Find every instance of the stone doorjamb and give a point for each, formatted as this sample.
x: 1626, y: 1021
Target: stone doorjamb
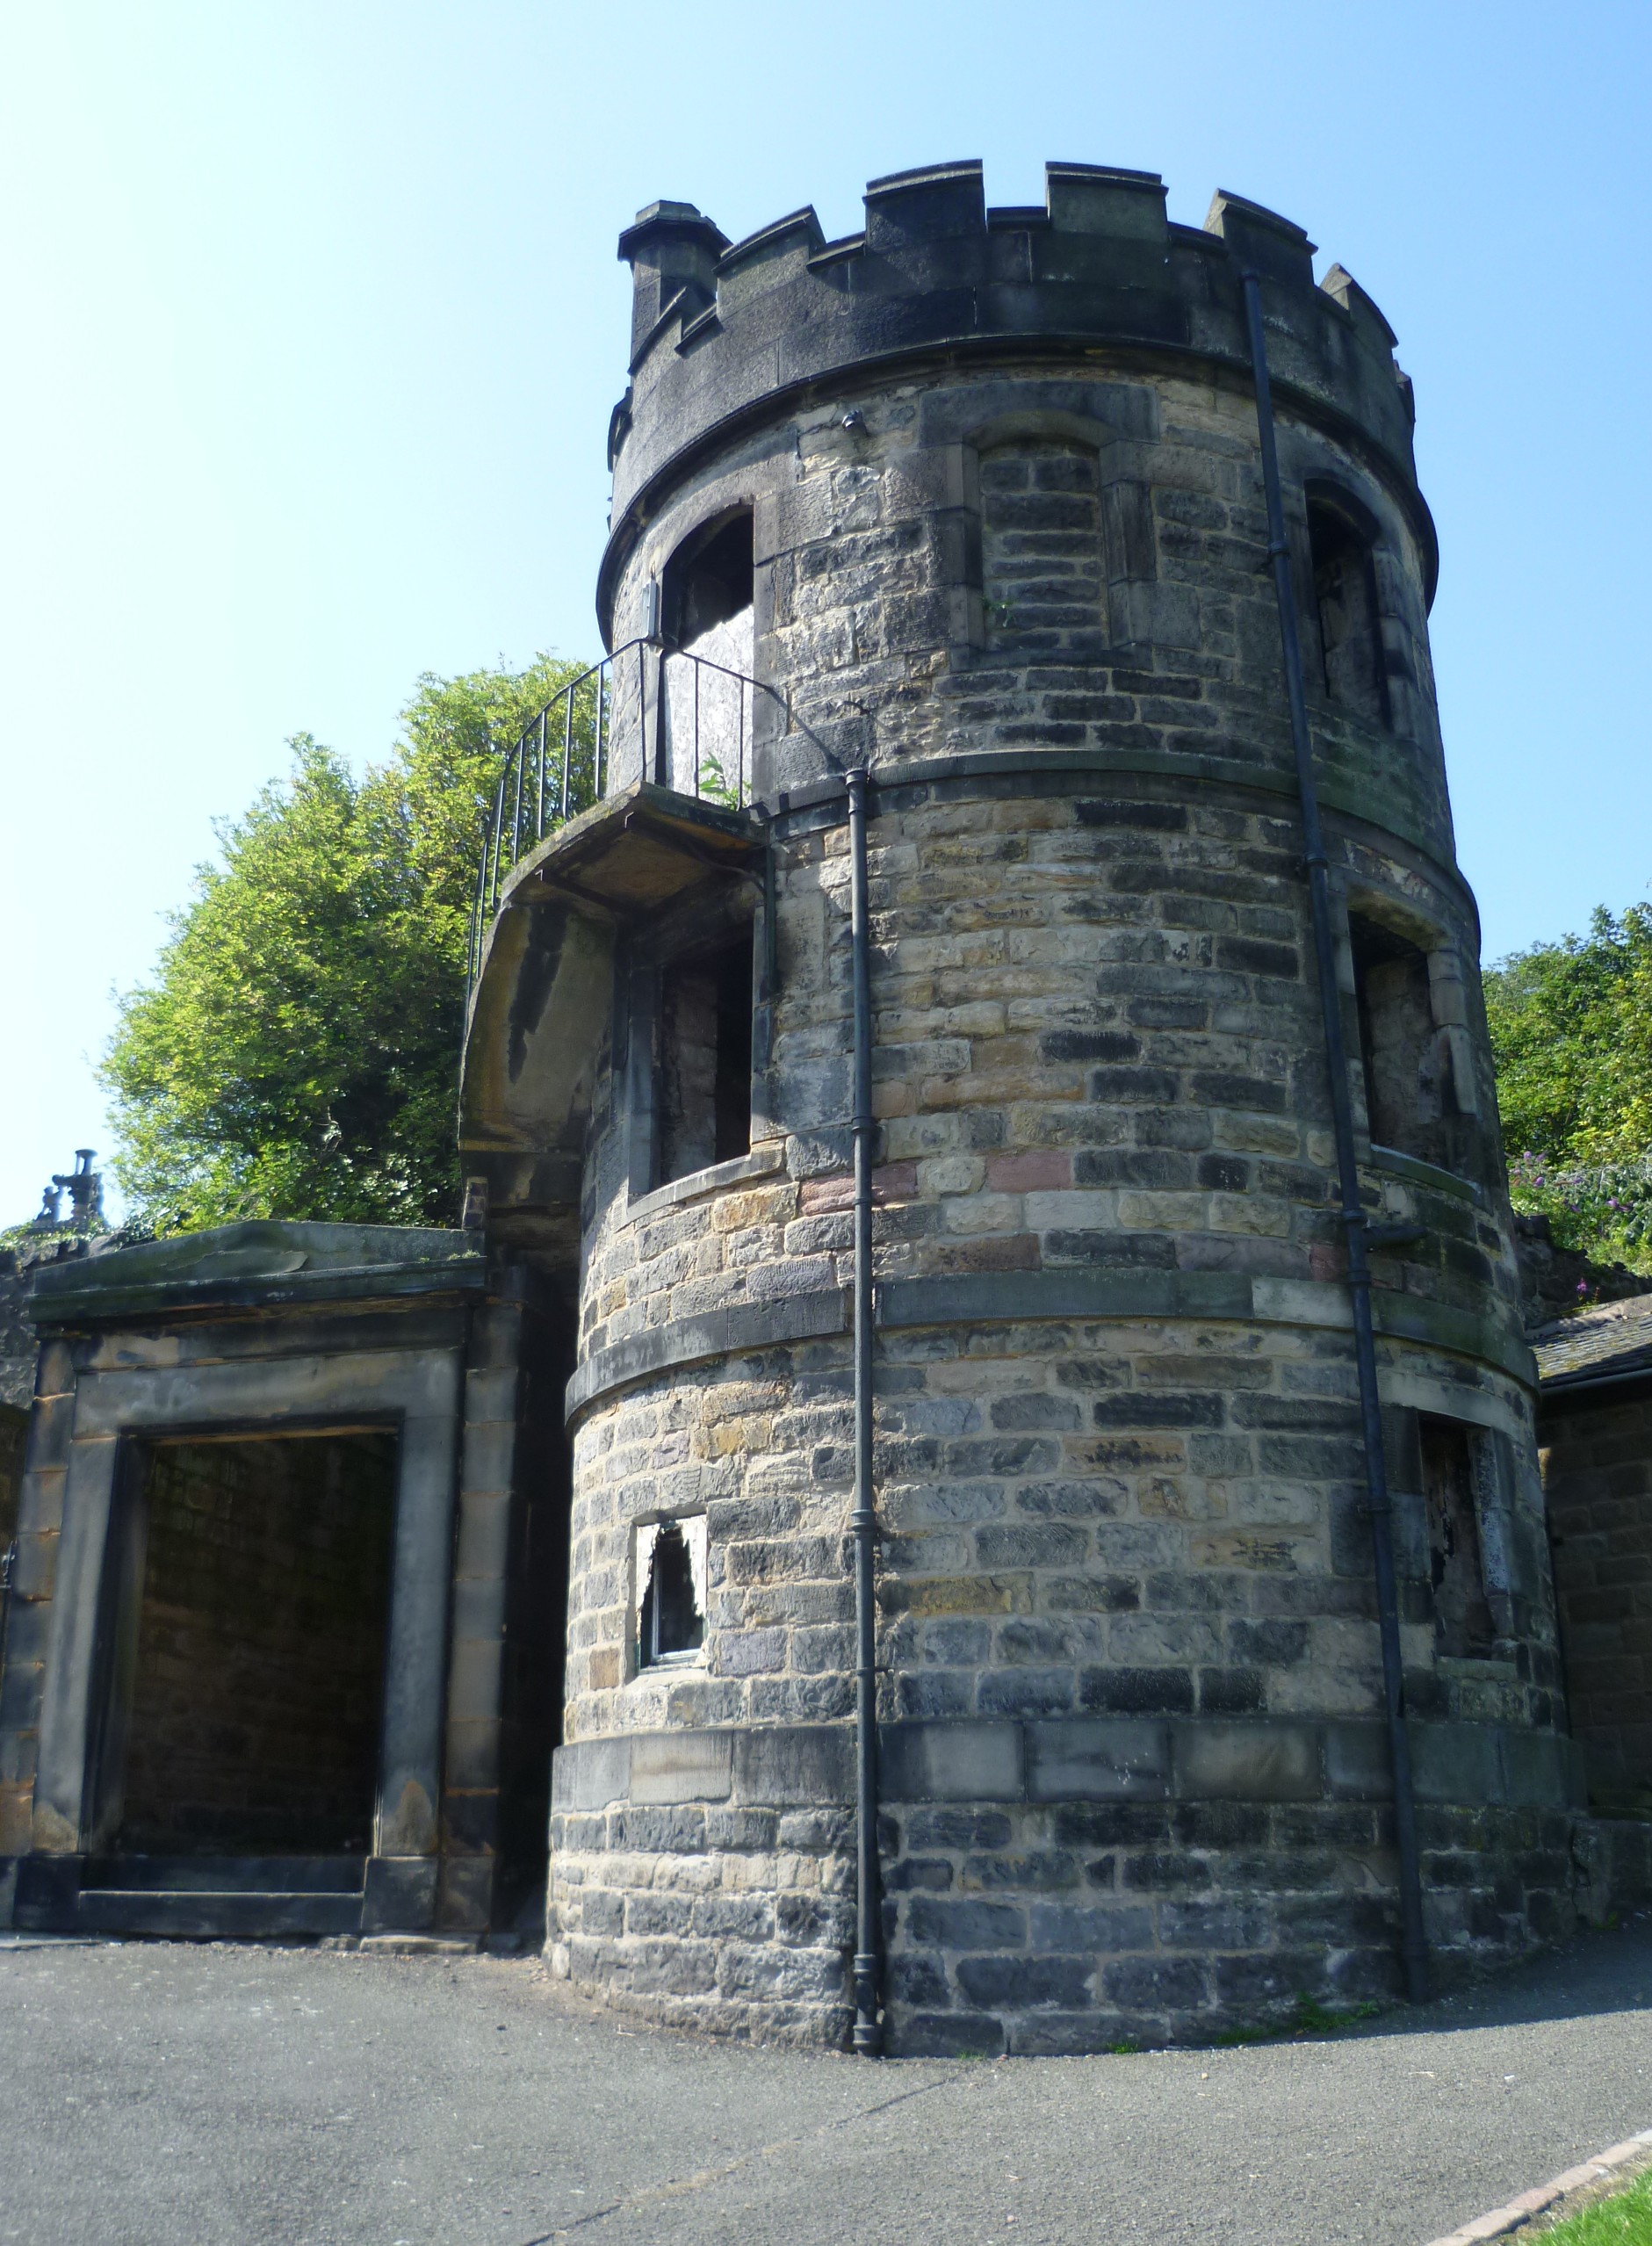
x: 417, y: 1393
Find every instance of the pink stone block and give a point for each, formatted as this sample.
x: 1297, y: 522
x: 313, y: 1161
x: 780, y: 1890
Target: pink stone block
x: 1036, y: 1171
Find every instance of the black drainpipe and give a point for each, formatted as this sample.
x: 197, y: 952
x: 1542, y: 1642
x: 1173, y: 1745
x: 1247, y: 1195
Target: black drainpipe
x: 7, y: 1568
x: 869, y: 1944
x: 1412, y: 1940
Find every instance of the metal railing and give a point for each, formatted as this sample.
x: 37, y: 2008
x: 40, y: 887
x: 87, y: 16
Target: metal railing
x: 649, y: 710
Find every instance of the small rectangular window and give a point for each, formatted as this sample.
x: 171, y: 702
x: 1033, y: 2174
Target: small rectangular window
x: 1352, y: 669
x: 1405, y: 1090
x: 670, y: 1576
x: 1462, y: 1613
x: 703, y: 1104
x: 1413, y: 1063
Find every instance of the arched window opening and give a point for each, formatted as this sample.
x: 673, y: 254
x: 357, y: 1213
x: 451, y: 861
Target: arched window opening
x: 709, y: 579
x: 1351, y: 661
x: 704, y: 742
x: 1421, y: 1093
x: 704, y: 1085
x: 671, y: 1574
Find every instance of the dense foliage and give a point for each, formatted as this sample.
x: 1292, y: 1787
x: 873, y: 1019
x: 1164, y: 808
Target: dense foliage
x: 295, y: 1053
x: 1571, y: 1031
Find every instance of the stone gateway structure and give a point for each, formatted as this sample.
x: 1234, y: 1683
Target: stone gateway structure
x: 906, y: 1297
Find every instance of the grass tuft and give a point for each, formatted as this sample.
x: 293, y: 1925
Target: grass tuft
x: 1309, y: 2018
x: 1624, y: 2219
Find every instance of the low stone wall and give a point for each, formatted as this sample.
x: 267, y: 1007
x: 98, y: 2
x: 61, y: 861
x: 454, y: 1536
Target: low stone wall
x: 1612, y: 1859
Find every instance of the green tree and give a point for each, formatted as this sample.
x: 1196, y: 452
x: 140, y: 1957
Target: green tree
x: 295, y: 1053
x: 1571, y: 1033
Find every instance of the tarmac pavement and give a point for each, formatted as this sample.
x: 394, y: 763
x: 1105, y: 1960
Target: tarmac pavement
x: 191, y: 2095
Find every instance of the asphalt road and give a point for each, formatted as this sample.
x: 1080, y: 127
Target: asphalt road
x: 174, y: 2095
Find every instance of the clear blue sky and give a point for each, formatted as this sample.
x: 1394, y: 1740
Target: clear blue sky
x: 314, y: 324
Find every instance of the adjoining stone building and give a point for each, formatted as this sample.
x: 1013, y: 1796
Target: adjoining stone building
x: 960, y: 522
x: 283, y: 1643
x: 1595, y: 1434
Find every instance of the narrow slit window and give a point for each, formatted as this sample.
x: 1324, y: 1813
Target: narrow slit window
x: 1352, y: 671
x: 671, y: 1580
x: 1462, y: 1613
x: 703, y: 1089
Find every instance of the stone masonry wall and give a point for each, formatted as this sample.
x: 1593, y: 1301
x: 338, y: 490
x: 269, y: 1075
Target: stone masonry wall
x: 1090, y: 1524
x: 1133, y: 1784
x: 1598, y: 1473
x: 1095, y: 1048
x: 870, y: 592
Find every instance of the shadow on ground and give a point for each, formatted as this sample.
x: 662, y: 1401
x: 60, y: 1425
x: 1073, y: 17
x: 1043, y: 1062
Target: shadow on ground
x: 156, y: 2093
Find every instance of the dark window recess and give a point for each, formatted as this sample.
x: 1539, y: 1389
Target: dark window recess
x: 704, y: 1101
x: 533, y: 1654
x: 260, y: 1646
x: 1462, y: 1615
x: 671, y: 1621
x: 1351, y: 667
x: 708, y: 580
x: 1410, y: 1102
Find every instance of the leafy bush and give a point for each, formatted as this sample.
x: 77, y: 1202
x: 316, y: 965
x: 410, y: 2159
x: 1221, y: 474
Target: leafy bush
x: 1604, y: 1210
x: 1571, y: 1034
x: 295, y: 1053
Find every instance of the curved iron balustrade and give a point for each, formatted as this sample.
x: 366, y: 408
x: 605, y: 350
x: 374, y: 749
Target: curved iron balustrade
x: 687, y: 732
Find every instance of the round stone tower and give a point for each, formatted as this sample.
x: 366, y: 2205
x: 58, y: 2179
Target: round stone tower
x: 974, y: 499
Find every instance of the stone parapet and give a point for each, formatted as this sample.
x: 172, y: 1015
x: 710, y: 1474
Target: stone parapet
x: 745, y: 329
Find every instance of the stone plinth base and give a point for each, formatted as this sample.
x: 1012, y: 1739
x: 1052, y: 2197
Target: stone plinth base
x: 1051, y: 1884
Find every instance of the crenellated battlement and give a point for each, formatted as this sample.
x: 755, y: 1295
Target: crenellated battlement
x: 721, y: 330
